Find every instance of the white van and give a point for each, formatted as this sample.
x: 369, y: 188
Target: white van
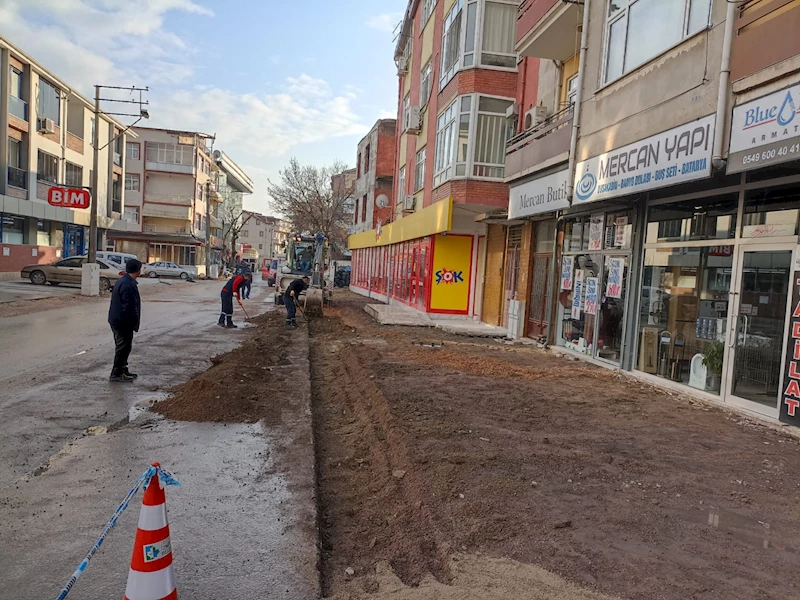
x: 118, y: 258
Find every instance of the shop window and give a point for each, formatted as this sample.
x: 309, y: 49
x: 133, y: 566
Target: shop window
x: 702, y: 219
x: 766, y: 173
x: 771, y: 212
x: 683, y: 311
x: 42, y: 232
x: 12, y: 229
x: 577, y: 324
x: 618, y: 232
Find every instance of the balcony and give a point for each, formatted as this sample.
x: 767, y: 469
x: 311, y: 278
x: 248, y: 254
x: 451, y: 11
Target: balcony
x: 216, y: 241
x: 548, y: 29
x: 168, y: 211
x: 548, y: 141
x: 17, y: 178
x: 169, y: 167
x: 215, y: 196
x: 765, y: 34
x: 174, y: 229
x: 17, y: 107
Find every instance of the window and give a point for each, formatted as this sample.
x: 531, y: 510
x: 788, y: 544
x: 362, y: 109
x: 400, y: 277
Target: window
x: 116, y: 197
x: 13, y: 229
x: 261, y: 233
x: 42, y: 232
x: 355, y: 212
x: 425, y: 84
x: 74, y: 175
x: 49, y: 102
x: 245, y: 233
x: 132, y: 151
x: 366, y: 159
x: 490, y: 137
x: 419, y: 170
x: 406, y: 111
x: 450, y: 43
x: 47, y: 169
x: 15, y: 87
x: 261, y: 246
x: 364, y: 209
x: 572, y: 90
x: 499, y: 31
x: 132, y: 182
x: 92, y: 127
x: 452, y: 140
x: 131, y: 214
x: 14, y: 153
x: 186, y: 255
x: 72, y: 263
x: 638, y: 30
x: 401, y: 186
x: 358, y: 164
x: 174, y: 154
x: 427, y: 10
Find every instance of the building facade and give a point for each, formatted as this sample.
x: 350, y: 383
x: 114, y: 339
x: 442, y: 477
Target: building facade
x: 232, y: 184
x: 47, y: 142
x: 374, y: 183
x: 263, y: 234
x: 669, y: 183
x: 167, y: 192
x: 457, y: 87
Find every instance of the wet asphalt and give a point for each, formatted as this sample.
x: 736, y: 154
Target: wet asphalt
x: 243, y: 521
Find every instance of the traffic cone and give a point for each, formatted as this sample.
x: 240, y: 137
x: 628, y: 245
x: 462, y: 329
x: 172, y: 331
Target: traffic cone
x: 151, y: 576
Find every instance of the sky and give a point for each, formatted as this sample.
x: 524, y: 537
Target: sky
x: 273, y: 79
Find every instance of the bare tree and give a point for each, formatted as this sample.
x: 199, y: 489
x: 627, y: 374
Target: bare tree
x: 232, y: 229
x: 316, y: 199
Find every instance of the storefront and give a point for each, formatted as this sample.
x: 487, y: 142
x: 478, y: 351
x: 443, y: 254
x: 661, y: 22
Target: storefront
x: 418, y: 261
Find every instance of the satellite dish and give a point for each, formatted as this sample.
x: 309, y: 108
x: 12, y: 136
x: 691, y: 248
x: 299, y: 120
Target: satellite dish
x: 382, y: 201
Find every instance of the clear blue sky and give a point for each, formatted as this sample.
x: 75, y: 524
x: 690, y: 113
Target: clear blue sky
x: 272, y: 78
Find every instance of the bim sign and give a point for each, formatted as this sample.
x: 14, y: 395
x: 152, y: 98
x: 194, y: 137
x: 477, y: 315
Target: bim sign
x: 69, y: 198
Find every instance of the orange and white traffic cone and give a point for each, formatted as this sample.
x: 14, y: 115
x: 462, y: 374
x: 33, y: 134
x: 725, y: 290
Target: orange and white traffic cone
x: 151, y: 576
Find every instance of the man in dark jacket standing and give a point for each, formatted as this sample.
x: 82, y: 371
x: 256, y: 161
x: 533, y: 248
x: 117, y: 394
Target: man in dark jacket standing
x: 229, y: 290
x: 124, y: 316
x: 290, y: 298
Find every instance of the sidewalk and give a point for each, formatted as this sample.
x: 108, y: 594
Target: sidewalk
x: 22, y: 289
x: 395, y: 314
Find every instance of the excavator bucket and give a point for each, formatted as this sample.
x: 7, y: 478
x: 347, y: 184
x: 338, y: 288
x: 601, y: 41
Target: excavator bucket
x: 313, y: 304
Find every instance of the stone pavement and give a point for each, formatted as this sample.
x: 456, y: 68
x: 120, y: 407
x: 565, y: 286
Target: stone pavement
x: 21, y: 289
x: 402, y: 315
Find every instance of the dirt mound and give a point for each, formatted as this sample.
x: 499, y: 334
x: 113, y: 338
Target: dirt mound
x: 241, y: 385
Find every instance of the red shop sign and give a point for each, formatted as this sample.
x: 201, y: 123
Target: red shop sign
x: 69, y: 197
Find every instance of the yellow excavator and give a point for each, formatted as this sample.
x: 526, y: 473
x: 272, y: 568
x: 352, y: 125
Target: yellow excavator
x: 306, y: 256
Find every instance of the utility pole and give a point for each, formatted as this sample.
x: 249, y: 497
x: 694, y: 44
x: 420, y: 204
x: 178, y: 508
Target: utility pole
x: 142, y: 114
x: 95, y: 179
x: 208, y: 229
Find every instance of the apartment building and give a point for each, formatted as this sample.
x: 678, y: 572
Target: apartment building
x: 48, y: 130
x: 263, y: 234
x: 457, y: 70
x: 661, y: 180
x: 375, y: 165
x: 232, y: 184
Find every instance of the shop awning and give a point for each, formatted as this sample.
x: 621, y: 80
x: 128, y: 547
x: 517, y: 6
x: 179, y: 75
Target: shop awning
x: 431, y: 220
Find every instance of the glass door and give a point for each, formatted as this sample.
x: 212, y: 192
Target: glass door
x: 757, y: 326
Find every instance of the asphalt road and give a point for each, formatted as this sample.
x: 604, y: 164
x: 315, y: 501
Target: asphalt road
x: 241, y: 526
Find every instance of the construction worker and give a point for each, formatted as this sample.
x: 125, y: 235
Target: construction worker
x: 290, y: 298
x: 229, y: 290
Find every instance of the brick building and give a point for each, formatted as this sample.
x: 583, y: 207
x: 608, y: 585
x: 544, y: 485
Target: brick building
x: 458, y: 73
x: 375, y: 177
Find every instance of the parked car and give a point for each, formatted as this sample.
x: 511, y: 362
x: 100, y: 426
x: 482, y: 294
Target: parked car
x: 165, y: 269
x: 117, y: 258
x: 70, y: 270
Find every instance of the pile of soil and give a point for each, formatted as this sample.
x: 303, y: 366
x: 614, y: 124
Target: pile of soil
x: 517, y: 453
x: 241, y: 385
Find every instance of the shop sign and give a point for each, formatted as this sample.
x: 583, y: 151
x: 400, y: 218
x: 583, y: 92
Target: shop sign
x: 452, y: 264
x: 596, y: 232
x: 566, y: 273
x: 766, y: 131
x: 789, y: 411
x: 621, y: 235
x: 675, y: 156
x: 577, y: 295
x: 616, y: 266
x: 541, y: 195
x: 69, y: 197
x: 591, y: 296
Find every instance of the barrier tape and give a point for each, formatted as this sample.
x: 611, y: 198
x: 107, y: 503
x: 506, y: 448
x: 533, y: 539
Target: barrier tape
x: 143, y: 481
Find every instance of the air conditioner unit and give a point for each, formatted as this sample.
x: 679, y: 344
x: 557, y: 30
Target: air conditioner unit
x: 45, y: 125
x: 413, y: 119
x: 402, y: 65
x: 409, y: 203
x: 512, y: 111
x: 535, y: 116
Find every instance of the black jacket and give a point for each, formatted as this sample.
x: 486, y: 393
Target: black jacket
x: 126, y: 307
x: 297, y: 286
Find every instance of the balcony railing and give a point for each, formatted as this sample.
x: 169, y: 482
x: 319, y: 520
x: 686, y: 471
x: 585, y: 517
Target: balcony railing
x: 18, y: 178
x: 148, y: 228
x: 539, y: 143
x: 169, y: 167
x: 17, y: 107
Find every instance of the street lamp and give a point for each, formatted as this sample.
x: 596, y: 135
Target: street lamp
x: 142, y: 114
